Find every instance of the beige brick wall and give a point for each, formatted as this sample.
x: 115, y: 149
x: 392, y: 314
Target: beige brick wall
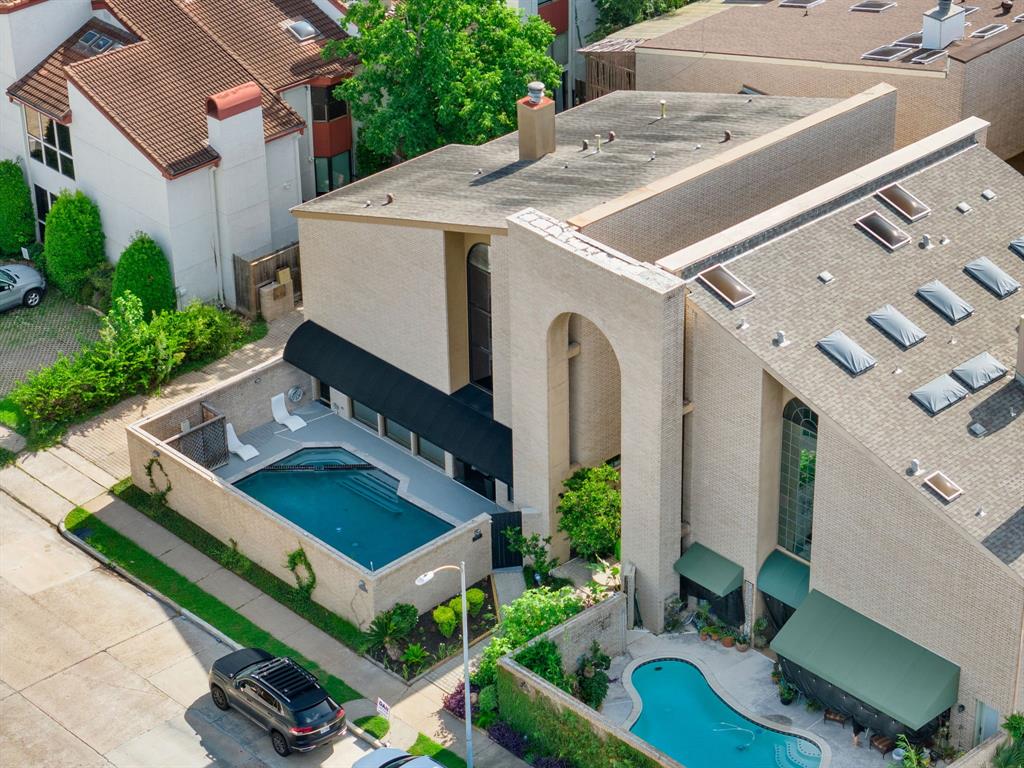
x: 735, y: 191
x: 382, y: 287
x: 994, y: 90
x: 639, y: 310
x: 594, y: 396
x: 883, y: 549
x: 501, y: 332
x: 604, y: 623
x: 880, y: 547
x: 925, y: 104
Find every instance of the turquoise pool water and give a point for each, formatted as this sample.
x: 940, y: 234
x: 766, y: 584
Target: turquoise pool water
x: 684, y: 718
x: 356, y: 511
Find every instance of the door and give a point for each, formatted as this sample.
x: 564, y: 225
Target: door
x: 986, y: 723
x: 501, y: 555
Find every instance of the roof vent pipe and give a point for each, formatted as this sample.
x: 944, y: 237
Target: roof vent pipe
x: 915, y: 467
x: 664, y: 109
x: 926, y: 242
x: 780, y: 339
x: 535, y: 89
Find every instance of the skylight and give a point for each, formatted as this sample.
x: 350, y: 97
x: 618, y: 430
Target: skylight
x: 992, y: 277
x: 969, y: 9
x: 896, y: 326
x: 883, y: 230
x: 89, y: 36
x: 980, y: 371
x: 726, y: 285
x: 904, y: 202
x: 872, y: 6
x: 926, y: 57
x: 988, y: 30
x: 886, y: 53
x: 940, y: 484
x: 912, y: 40
x: 1018, y: 18
x: 1017, y: 246
x: 847, y: 353
x: 945, y: 302
x: 303, y: 30
x: 938, y: 394
x: 102, y: 43
x: 800, y: 3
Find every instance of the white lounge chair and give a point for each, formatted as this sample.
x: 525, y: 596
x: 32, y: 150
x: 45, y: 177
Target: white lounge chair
x: 244, y: 451
x: 281, y: 415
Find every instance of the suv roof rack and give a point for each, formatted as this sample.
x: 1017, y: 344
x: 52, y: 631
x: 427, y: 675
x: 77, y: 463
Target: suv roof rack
x: 285, y: 678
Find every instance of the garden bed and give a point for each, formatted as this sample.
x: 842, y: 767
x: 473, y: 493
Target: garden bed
x: 438, y: 648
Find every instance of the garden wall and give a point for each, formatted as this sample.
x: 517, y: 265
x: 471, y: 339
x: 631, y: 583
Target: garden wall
x: 981, y: 755
x: 343, y: 585
x: 561, y: 725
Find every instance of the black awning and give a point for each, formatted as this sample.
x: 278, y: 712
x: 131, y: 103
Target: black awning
x: 440, y: 418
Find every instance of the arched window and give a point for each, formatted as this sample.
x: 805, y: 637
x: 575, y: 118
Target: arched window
x: 478, y: 280
x: 796, y: 478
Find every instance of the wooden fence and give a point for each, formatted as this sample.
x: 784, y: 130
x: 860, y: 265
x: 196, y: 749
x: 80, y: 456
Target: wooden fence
x: 251, y: 273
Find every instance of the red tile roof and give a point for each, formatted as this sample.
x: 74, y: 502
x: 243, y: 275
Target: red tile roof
x: 155, y: 90
x: 45, y: 88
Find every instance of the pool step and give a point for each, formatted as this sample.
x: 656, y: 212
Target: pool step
x: 375, y: 490
x: 789, y: 756
x: 807, y: 749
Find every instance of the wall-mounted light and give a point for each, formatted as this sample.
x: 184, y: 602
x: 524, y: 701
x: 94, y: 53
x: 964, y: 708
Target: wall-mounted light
x: 960, y: 709
x: 155, y: 454
x: 362, y: 585
x: 257, y: 380
x: 477, y: 535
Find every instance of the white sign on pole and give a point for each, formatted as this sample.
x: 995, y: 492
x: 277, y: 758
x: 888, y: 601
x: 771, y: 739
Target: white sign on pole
x: 383, y: 708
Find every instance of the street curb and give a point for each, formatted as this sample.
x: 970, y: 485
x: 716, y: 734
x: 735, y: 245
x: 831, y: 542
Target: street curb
x: 143, y: 586
x: 356, y: 731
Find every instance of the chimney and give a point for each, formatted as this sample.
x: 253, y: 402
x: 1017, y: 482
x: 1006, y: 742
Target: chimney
x: 536, y: 116
x: 1020, y: 351
x: 942, y: 25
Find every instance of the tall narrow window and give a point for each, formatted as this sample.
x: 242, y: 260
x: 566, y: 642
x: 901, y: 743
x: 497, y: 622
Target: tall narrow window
x: 478, y: 278
x: 49, y: 142
x: 796, y: 479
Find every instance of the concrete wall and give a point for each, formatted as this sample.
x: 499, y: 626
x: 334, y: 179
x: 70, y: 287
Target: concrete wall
x: 382, y: 287
x: 284, y: 188
x: 879, y: 546
x: 343, y: 585
x: 927, y: 100
x: 763, y: 173
x: 639, y: 310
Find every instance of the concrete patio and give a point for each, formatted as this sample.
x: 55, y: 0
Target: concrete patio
x: 421, y: 483
x: 747, y: 678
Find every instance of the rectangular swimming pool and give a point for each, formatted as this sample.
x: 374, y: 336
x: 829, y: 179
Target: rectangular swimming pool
x: 346, y: 503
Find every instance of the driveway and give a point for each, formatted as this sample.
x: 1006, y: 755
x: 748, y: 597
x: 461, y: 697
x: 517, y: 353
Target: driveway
x: 93, y: 672
x: 32, y: 338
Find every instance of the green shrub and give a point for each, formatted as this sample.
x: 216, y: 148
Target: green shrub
x: 445, y: 619
x: 475, y: 597
x: 143, y: 270
x: 591, y: 511
x: 530, y: 614
x: 17, y: 222
x: 544, y: 659
x: 533, y: 547
x: 74, y: 241
x: 200, y: 332
x: 487, y: 699
x: 1014, y: 725
x: 415, y: 657
x: 97, y: 289
x: 389, y: 628
x: 592, y: 676
x: 406, y: 617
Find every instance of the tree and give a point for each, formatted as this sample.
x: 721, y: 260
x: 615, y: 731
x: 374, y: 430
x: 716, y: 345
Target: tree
x: 591, y: 510
x: 143, y: 270
x: 74, y: 241
x: 436, y: 72
x: 613, y: 15
x: 17, y: 224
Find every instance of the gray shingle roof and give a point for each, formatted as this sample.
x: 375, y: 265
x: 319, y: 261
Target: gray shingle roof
x: 481, y: 185
x: 875, y: 408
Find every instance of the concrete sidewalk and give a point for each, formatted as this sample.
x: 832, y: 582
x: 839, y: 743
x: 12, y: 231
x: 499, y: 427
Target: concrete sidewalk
x: 92, y: 458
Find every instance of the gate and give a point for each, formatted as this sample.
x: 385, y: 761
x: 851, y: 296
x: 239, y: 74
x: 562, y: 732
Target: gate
x: 501, y: 555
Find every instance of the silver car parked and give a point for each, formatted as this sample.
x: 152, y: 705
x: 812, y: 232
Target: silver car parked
x: 20, y: 285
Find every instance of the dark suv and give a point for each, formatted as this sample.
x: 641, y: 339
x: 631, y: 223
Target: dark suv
x: 278, y: 695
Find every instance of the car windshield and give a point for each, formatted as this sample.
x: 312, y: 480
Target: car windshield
x: 316, y: 712
x: 8, y: 277
x: 399, y: 761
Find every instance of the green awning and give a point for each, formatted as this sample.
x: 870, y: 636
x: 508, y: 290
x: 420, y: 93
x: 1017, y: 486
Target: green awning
x: 784, y: 578
x: 871, y: 663
x: 710, y: 570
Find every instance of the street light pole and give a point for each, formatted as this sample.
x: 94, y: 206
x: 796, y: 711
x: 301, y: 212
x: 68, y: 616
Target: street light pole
x: 420, y: 581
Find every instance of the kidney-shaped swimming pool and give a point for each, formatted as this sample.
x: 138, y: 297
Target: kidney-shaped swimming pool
x: 683, y: 717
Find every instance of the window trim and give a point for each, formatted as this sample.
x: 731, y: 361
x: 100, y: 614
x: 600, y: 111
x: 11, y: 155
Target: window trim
x: 65, y: 158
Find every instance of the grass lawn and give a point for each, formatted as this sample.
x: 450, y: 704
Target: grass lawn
x: 340, y: 629
x: 375, y: 725
x: 426, y: 746
x: 149, y: 569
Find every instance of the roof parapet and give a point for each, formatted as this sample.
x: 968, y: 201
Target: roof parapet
x: 704, y: 252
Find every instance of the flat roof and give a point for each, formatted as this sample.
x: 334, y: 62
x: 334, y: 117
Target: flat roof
x: 876, y: 408
x: 830, y: 32
x: 479, y: 186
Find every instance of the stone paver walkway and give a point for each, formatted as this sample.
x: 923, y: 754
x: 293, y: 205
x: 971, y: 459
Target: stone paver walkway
x: 93, y: 455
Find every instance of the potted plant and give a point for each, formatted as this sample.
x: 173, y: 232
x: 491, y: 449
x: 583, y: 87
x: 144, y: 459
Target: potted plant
x: 705, y: 632
x: 714, y: 631
x: 776, y: 673
x: 759, y: 631
x: 787, y: 693
x: 702, y: 616
x: 743, y: 642
x: 728, y: 637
